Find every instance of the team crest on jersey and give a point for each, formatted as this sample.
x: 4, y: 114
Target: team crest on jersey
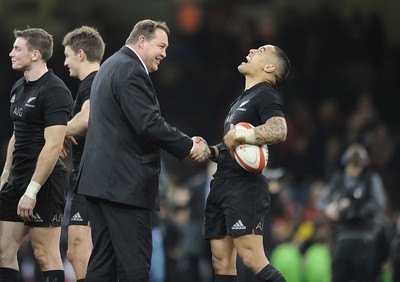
x: 243, y: 103
x: 29, y: 102
x: 240, y: 108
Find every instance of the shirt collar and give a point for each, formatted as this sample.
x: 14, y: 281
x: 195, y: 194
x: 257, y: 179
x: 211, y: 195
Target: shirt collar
x: 139, y: 58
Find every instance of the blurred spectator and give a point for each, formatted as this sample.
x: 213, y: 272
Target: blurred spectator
x: 395, y: 251
x: 353, y: 198
x: 157, y: 268
x: 196, y: 248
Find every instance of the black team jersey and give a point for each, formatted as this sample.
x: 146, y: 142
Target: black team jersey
x: 255, y: 106
x: 35, y: 105
x: 82, y: 96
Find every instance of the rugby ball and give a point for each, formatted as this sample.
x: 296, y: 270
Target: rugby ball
x: 252, y: 158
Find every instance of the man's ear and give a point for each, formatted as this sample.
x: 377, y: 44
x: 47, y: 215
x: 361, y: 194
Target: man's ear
x: 36, y: 55
x: 82, y: 54
x: 269, y: 68
x: 141, y: 41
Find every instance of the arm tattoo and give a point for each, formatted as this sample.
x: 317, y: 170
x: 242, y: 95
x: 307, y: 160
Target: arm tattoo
x: 273, y: 131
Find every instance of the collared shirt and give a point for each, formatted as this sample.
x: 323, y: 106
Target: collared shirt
x: 139, y: 58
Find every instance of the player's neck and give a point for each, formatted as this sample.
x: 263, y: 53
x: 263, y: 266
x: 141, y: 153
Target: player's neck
x: 251, y: 81
x: 35, y: 71
x: 88, y: 69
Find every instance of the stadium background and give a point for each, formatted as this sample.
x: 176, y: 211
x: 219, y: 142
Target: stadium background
x: 343, y: 85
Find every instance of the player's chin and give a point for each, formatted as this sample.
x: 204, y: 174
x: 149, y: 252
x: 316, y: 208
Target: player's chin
x: 241, y: 67
x: 18, y: 68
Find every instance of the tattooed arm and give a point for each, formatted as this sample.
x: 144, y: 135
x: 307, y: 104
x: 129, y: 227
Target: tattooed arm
x: 273, y: 131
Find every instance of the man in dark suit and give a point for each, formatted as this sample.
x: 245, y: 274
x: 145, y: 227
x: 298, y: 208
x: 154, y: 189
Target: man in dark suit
x: 119, y: 173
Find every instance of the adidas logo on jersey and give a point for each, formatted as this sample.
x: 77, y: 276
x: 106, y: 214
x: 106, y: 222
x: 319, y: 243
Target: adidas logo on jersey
x: 76, y: 217
x: 238, y: 225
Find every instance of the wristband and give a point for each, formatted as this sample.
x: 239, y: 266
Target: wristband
x: 212, y: 149
x: 246, y: 136
x: 32, y: 189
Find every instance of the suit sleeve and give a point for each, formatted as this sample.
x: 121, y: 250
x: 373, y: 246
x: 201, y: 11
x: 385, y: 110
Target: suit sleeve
x: 139, y: 104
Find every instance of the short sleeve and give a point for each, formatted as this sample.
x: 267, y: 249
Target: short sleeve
x: 270, y: 105
x: 57, y: 106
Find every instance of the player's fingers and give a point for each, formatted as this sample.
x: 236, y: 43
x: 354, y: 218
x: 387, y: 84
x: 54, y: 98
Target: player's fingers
x: 73, y: 140
x: 63, y: 154
x: 30, y: 214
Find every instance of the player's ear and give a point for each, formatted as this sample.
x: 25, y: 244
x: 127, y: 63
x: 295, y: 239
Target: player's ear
x: 269, y: 68
x: 36, y: 55
x: 81, y: 54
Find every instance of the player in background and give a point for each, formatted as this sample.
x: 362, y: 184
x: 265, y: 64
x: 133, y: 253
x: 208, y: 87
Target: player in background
x: 34, y: 181
x: 238, y: 200
x: 83, y: 50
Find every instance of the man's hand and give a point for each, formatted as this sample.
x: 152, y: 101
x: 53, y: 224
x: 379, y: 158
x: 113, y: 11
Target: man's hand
x: 65, y: 150
x: 230, y: 139
x: 25, y: 208
x: 200, y: 152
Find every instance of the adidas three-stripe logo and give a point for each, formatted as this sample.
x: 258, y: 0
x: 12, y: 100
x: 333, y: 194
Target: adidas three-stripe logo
x: 238, y: 225
x: 76, y: 217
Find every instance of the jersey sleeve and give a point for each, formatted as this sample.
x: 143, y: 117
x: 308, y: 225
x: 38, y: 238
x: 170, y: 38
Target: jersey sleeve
x: 270, y: 105
x: 57, y: 106
x: 85, y: 91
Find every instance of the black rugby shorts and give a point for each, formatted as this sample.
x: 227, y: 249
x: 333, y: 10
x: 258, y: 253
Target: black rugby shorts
x: 50, y: 201
x: 236, y: 206
x: 79, y: 214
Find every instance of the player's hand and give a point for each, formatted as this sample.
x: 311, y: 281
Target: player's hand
x: 25, y: 208
x: 65, y: 150
x: 200, y: 152
x: 230, y: 139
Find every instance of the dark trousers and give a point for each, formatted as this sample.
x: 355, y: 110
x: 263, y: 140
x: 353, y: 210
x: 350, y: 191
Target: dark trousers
x: 353, y: 260
x: 121, y: 237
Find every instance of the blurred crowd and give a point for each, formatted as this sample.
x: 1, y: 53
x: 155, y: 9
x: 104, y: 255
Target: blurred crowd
x: 341, y: 90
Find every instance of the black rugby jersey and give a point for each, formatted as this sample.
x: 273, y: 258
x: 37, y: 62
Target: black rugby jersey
x: 255, y: 106
x: 35, y: 105
x: 82, y: 96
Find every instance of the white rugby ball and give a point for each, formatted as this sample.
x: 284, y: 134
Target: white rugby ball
x: 252, y: 158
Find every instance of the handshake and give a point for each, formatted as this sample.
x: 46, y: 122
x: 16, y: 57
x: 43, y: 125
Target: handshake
x: 201, y: 151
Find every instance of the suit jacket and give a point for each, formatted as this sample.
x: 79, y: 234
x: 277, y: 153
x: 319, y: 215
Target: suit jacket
x: 121, y: 159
